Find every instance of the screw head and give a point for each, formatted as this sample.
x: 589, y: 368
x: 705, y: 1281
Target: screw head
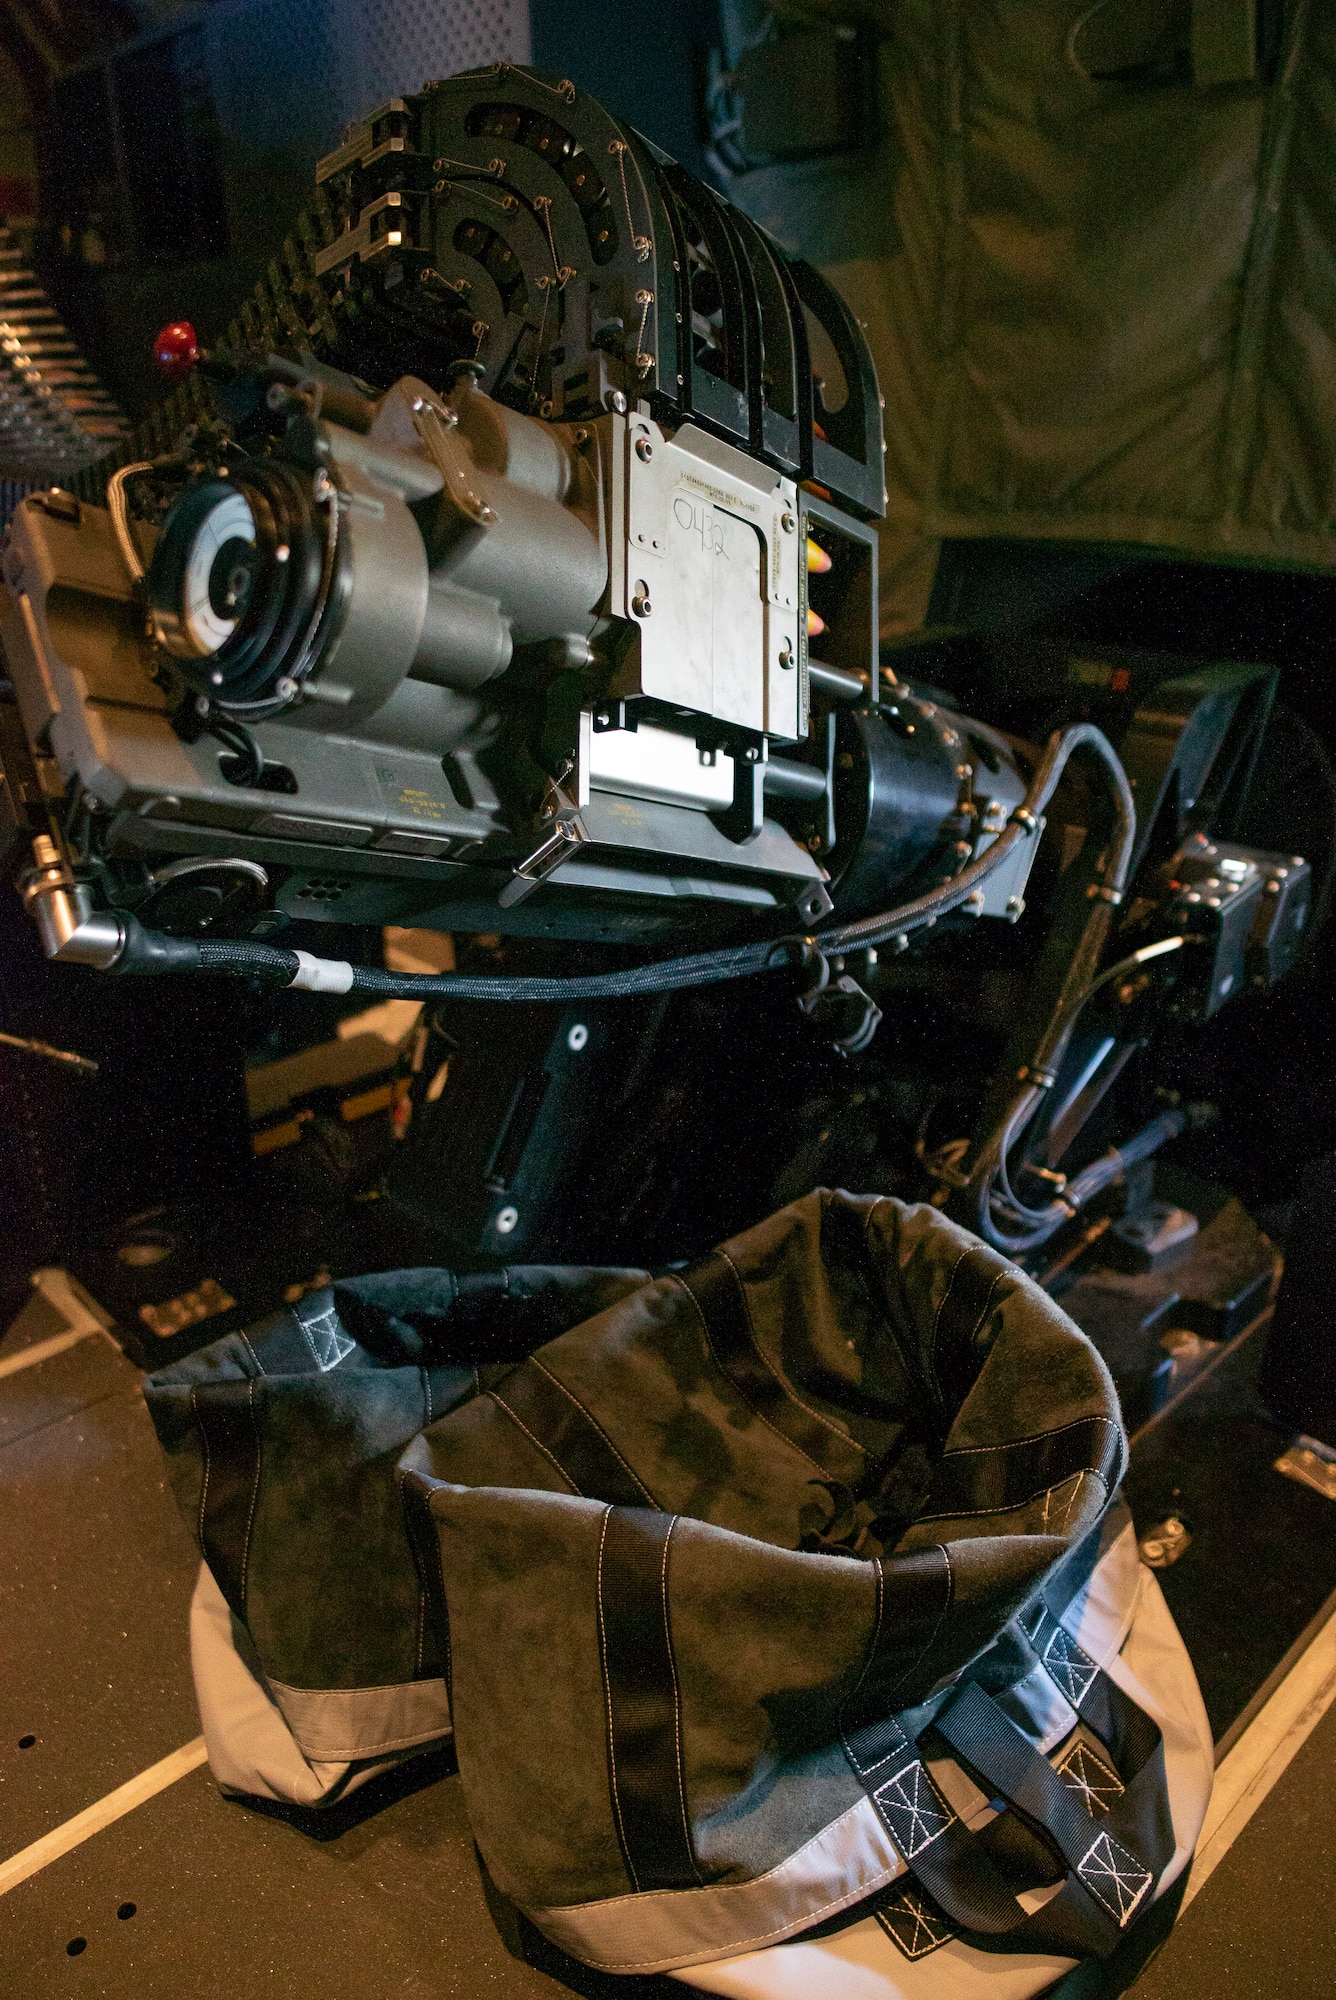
x: 505, y: 1220
x: 787, y: 523
x: 617, y: 402
x: 644, y: 450
x: 285, y: 687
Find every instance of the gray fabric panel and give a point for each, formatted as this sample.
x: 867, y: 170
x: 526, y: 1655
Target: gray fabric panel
x: 251, y: 1748
x: 845, y: 1862
x: 335, y: 1723
x: 527, y: 1689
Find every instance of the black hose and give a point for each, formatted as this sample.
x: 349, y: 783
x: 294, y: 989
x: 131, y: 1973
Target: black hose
x: 145, y: 951
x: 665, y: 975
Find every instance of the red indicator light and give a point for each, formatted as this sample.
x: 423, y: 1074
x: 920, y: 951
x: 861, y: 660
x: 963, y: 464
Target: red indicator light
x: 176, y: 349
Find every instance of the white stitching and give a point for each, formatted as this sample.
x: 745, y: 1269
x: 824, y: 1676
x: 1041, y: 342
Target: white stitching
x: 878, y: 1611
x: 255, y: 1494
x: 1035, y: 1437
x: 607, y: 1697
x: 537, y: 1443
x: 985, y: 1513
x: 759, y: 1416
x: 677, y: 1703
x: 826, y: 1423
x: 987, y: 1305
x: 204, y: 1489
x: 244, y: 1336
x: 946, y: 1295
x: 571, y: 1397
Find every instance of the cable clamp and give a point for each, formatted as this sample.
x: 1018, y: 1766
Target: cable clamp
x: 1022, y: 816
x: 813, y: 960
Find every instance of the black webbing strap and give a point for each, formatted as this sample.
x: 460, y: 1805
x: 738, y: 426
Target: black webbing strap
x: 554, y: 1420
x: 961, y: 1318
x: 946, y: 1860
x: 720, y: 1298
x: 989, y: 1743
x: 992, y: 1479
x: 1104, y: 1812
x: 230, y: 1441
x: 646, y: 1779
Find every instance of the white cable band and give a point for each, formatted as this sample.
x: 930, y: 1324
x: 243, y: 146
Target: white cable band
x: 322, y: 975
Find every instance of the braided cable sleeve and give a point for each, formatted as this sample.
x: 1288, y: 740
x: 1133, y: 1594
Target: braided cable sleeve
x: 246, y: 959
x: 669, y: 975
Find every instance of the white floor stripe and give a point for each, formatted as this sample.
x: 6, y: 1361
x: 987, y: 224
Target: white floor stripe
x: 82, y: 1316
x: 42, y: 1350
x: 113, y: 1807
x: 1264, y: 1751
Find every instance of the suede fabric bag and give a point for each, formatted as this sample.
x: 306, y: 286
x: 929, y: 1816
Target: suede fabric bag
x: 315, y: 1663
x: 794, y: 1589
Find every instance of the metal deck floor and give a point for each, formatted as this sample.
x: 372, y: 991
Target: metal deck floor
x: 189, y: 1895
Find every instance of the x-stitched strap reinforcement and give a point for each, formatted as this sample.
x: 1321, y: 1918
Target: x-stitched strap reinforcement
x: 990, y: 1743
x: 1107, y: 1819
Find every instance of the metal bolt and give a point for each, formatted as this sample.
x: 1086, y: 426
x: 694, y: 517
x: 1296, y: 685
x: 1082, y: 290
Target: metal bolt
x: 505, y: 1220
x: 285, y: 687
x: 751, y: 753
x: 787, y: 523
x: 578, y: 1037
x: 1015, y: 908
x: 640, y: 603
x: 617, y: 402
x: 786, y: 656
x: 644, y: 450
x: 322, y: 486
x: 582, y: 436
x: 282, y: 552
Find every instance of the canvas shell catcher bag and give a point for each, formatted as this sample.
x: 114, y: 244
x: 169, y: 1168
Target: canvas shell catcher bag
x: 783, y: 1609
x: 794, y: 1585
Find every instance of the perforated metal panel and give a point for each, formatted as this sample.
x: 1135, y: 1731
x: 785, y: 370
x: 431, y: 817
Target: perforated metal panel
x: 292, y: 73
x: 387, y: 47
